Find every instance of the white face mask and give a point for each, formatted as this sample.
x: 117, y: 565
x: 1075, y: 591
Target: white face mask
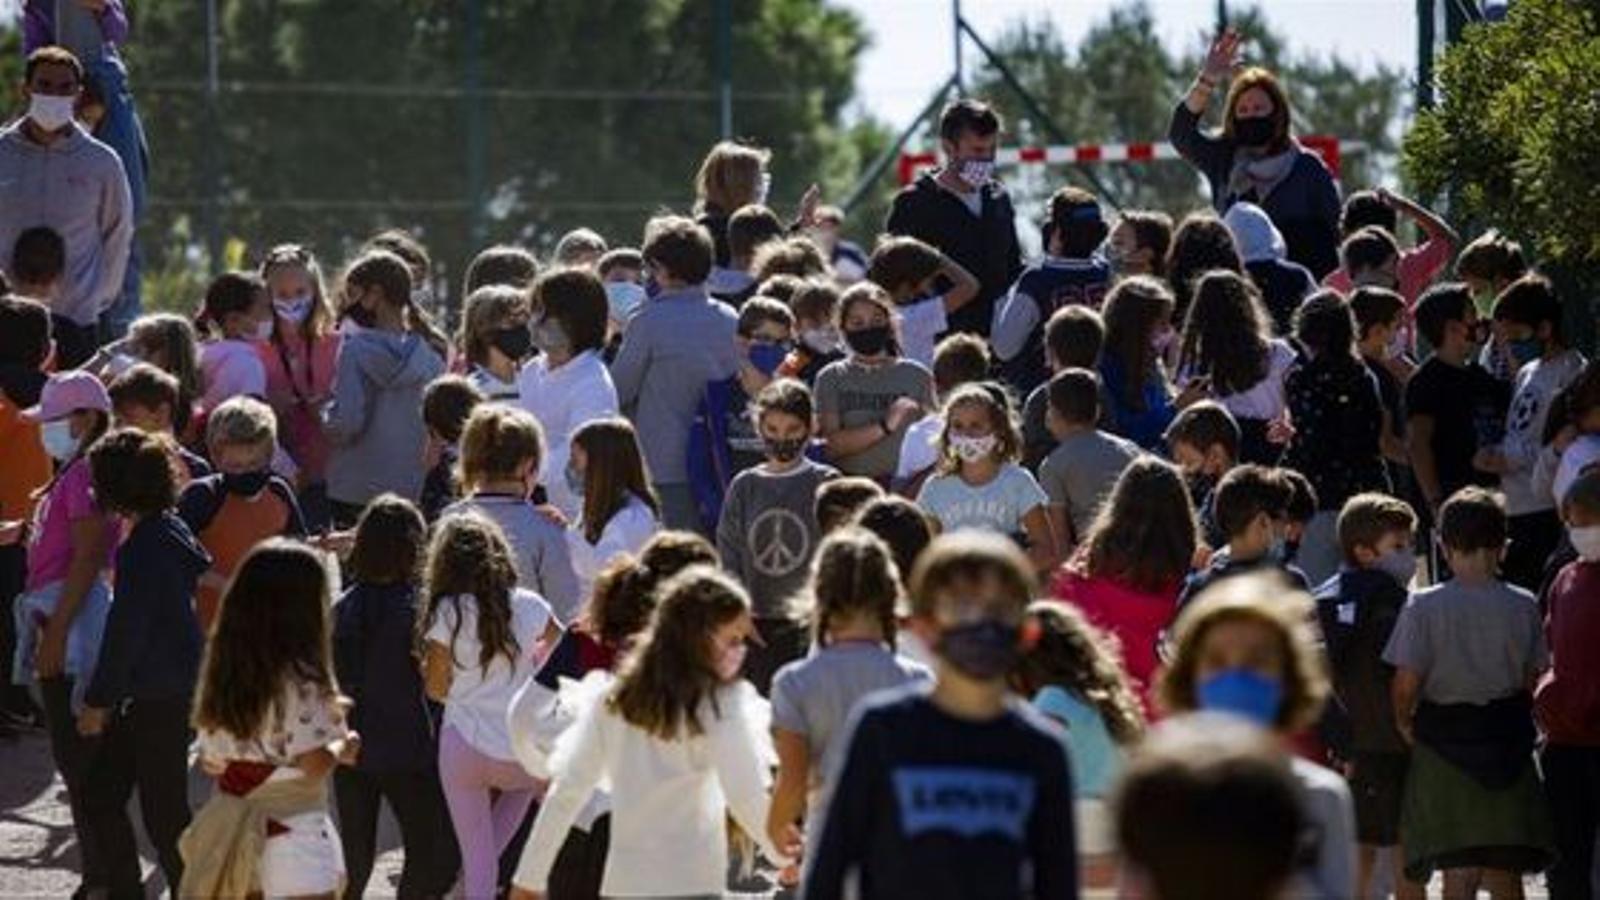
x: 624, y: 297
x: 1586, y: 541
x: 50, y: 112
x: 262, y: 331
x: 820, y: 340
x: 731, y: 661
x: 971, y: 448
x: 293, y: 309
x: 58, y: 440
x: 976, y: 172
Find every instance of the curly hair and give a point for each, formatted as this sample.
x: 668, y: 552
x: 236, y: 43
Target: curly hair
x: 470, y: 555
x: 1145, y: 533
x: 1226, y: 334
x: 625, y: 591
x: 135, y: 473
x: 1073, y: 654
x: 991, y: 398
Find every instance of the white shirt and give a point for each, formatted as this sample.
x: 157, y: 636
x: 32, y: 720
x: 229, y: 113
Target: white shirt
x: 1536, y: 387
x: 920, y: 448
x: 920, y: 323
x: 478, y: 699
x: 495, y: 390
x: 1265, y: 399
x: 563, y: 399
x: 627, y: 532
x: 670, y: 798
x: 231, y: 368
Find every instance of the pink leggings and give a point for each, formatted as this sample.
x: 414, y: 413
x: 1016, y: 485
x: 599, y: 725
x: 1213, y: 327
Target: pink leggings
x: 484, y: 825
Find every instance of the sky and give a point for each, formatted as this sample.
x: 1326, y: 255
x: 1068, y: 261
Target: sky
x: 912, y: 48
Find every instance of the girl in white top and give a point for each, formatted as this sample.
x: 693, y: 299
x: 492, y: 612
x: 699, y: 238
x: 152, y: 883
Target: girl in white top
x: 606, y: 471
x: 681, y: 741
x: 236, y: 318
x: 495, y: 337
x: 567, y: 384
x: 1229, y: 353
x: 482, y: 642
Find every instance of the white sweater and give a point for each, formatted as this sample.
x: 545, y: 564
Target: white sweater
x: 627, y: 532
x: 670, y: 799
x: 562, y: 399
x: 1537, y: 383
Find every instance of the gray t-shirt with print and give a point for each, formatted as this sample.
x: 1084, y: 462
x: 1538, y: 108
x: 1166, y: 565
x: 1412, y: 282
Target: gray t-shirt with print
x: 861, y: 395
x: 768, y: 532
x: 997, y: 506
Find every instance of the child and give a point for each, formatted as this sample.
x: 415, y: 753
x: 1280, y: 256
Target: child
x: 749, y: 228
x: 815, y: 305
x: 921, y: 765
x: 621, y: 271
x: 171, y: 344
x: 768, y: 532
x: 1566, y: 701
x: 500, y: 451
x: 903, y: 526
x: 1086, y: 462
x: 959, y: 359
x: 1130, y: 566
x: 271, y: 728
x: 674, y: 736
x: 242, y: 504
x: 912, y: 272
x: 1487, y: 266
x: 1357, y: 610
x: 1380, y: 313
x: 1412, y: 269
x: 236, y: 318
x: 1138, y: 243
x: 300, y: 362
x: 580, y: 248
x: 840, y: 499
x: 796, y: 256
x: 766, y: 336
x: 25, y: 350
x: 979, y: 484
x: 374, y: 647
x: 1073, y: 338
x: 1467, y: 654
x: 481, y: 635
x: 447, y: 403
x: 1204, y: 442
x: 1073, y: 674
x: 1252, y: 509
x: 855, y: 588
x: 138, y: 702
x: 495, y: 340
x: 1247, y: 647
x: 1071, y: 274
x: 1527, y: 316
x: 383, y: 368
x: 419, y: 269
x: 1138, y: 320
x: 39, y: 265
x: 502, y: 264
x: 146, y: 398
x: 620, y: 511
x: 1283, y: 283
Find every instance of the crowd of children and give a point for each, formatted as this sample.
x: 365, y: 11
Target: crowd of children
x: 713, y: 560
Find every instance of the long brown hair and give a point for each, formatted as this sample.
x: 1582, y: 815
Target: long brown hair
x: 671, y: 672
x: 271, y: 632
x: 1201, y: 244
x: 625, y: 591
x: 1257, y: 77
x: 1227, y: 333
x: 615, y: 470
x: 1073, y: 654
x: 729, y: 177
x: 1134, y: 309
x: 175, y: 339
x: 390, y: 275
x: 1145, y: 534
x: 470, y: 555
x: 854, y: 574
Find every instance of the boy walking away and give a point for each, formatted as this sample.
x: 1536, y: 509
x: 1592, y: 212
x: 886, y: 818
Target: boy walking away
x: 1252, y: 509
x: 1072, y: 340
x: 1466, y: 655
x: 912, y: 272
x: 768, y: 531
x: 447, y: 402
x: 1071, y: 274
x: 1567, y: 700
x: 1357, y: 610
x: 673, y: 346
x: 1528, y: 316
x: 1079, y: 473
x: 1204, y: 443
x: 957, y: 791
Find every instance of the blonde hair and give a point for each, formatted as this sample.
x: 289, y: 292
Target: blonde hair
x: 242, y: 422
x: 496, y: 441
x: 729, y: 177
x: 991, y: 398
x: 489, y: 308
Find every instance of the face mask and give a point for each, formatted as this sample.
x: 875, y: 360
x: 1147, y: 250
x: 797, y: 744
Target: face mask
x: 767, y: 357
x: 730, y: 661
x: 551, y: 338
x: 983, y: 650
x: 764, y: 189
x: 1243, y: 692
x: 574, y: 480
x: 245, y: 484
x: 293, y: 309
x: 1586, y: 541
x: 820, y: 340
x: 263, y: 331
x: 868, y: 341
x: 118, y: 364
x: 422, y: 296
x: 1255, y: 131
x: 515, y: 342
x: 50, y: 113
x: 971, y: 448
x: 976, y: 172
x: 1396, y: 347
x: 362, y: 316
x: 623, y: 297
x: 1526, y: 350
x: 58, y: 440
x: 1278, y: 550
x: 1484, y: 301
x: 652, y: 287
x: 784, y: 450
x: 1162, y: 339
x: 1399, y: 564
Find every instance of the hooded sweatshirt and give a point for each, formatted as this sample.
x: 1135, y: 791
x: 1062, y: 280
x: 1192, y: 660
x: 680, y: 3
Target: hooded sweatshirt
x: 1283, y: 284
x: 76, y: 186
x: 151, y: 649
x: 375, y: 418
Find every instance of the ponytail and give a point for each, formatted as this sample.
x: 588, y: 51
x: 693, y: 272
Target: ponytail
x: 420, y: 322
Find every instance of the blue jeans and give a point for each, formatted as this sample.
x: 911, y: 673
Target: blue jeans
x: 123, y: 132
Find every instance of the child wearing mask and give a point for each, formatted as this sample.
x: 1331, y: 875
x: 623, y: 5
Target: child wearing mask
x: 912, y: 271
x: 1138, y: 243
x: 620, y: 511
x: 1252, y: 509
x: 1487, y: 266
x: 959, y: 359
x: 495, y: 339
x: 300, y: 360
x: 919, y: 763
x: 815, y: 305
x: 1204, y: 443
x: 768, y: 531
x: 236, y: 318
x: 1073, y: 338
x: 766, y: 338
x: 1138, y: 320
x: 146, y: 398
x: 447, y: 402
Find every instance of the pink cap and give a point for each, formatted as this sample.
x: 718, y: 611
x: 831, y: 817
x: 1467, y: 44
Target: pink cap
x: 66, y: 393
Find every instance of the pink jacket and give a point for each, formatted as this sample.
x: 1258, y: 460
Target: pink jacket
x: 298, y: 384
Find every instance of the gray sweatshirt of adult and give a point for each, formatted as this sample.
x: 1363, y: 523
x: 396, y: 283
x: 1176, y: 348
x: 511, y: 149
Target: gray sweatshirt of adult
x: 374, y: 420
x: 75, y: 185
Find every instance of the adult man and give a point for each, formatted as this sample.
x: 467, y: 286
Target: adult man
x: 52, y: 173
x: 965, y: 213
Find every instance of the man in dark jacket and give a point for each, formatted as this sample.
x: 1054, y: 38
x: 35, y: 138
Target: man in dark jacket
x: 964, y: 212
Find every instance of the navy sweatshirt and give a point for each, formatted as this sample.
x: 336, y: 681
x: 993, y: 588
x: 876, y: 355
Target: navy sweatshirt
x: 151, y: 649
x: 374, y: 642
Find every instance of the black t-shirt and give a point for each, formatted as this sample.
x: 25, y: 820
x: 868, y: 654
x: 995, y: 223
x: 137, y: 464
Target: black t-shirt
x: 1468, y: 408
x: 1389, y: 393
x: 931, y: 806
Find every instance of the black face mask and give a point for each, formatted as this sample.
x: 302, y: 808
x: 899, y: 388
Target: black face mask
x: 868, y: 341
x: 784, y: 450
x: 360, y: 315
x: 1200, y: 486
x: 245, y: 484
x: 1255, y: 131
x: 983, y: 650
x: 515, y: 342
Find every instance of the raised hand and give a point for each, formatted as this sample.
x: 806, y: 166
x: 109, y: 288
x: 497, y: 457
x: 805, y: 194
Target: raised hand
x: 1223, y: 56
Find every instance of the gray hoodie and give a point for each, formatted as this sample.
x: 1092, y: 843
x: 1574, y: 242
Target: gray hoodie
x: 78, y: 187
x: 374, y: 420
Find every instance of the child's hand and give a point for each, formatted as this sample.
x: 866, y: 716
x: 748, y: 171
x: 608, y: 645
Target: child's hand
x: 552, y: 513
x: 339, y: 542
x: 92, y: 721
x: 11, y: 532
x: 350, y: 750
x: 809, y: 201
x: 902, y: 411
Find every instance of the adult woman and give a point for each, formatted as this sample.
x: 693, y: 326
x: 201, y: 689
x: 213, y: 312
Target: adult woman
x: 1255, y: 158
x: 735, y: 175
x: 567, y: 384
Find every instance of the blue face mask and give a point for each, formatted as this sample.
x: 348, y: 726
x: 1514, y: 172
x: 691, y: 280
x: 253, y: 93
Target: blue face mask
x: 1526, y: 350
x: 767, y: 357
x: 1243, y: 692
x: 574, y: 480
